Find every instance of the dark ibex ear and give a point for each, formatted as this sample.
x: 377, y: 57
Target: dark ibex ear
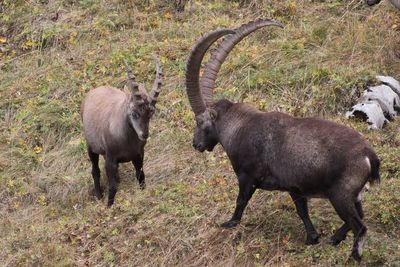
x: 213, y: 114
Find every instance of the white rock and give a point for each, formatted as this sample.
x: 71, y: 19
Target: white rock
x: 391, y: 82
x: 386, y: 97
x: 372, y: 111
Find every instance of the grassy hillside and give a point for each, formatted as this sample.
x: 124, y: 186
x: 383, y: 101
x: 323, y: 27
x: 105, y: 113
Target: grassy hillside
x: 53, y: 52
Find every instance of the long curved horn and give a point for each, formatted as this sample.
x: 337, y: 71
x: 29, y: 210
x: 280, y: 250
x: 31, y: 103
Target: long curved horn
x: 218, y: 56
x: 193, y: 68
x: 155, y: 91
x: 132, y: 85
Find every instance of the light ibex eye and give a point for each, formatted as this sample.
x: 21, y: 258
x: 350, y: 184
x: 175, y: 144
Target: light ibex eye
x: 135, y: 115
x: 152, y: 110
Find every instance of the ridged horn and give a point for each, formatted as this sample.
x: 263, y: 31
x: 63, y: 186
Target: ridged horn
x: 193, y: 68
x: 132, y: 85
x: 218, y: 56
x: 155, y: 91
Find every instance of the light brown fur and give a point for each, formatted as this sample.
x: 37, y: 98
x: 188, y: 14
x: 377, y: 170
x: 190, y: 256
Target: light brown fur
x: 116, y: 125
x: 104, y: 117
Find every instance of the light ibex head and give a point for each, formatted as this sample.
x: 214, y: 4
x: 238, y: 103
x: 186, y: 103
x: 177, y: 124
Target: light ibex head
x: 200, y: 93
x: 141, y: 105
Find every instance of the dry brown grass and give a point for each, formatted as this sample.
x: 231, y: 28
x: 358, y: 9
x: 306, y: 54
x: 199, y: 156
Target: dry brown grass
x: 317, y: 65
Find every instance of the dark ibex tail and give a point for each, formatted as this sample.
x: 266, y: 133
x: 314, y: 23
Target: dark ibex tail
x: 374, y: 177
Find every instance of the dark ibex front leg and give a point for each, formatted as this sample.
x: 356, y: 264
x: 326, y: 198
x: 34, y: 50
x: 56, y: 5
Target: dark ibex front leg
x: 138, y: 163
x: 112, y: 174
x: 246, y: 190
x: 94, y: 158
x: 302, y: 210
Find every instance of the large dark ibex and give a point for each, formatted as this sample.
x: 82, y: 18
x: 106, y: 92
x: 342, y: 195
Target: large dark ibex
x: 116, y: 125
x: 307, y: 157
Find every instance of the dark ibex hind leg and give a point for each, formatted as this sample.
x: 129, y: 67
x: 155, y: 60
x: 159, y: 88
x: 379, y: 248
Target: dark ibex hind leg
x: 117, y: 177
x: 349, y: 213
x: 302, y: 211
x: 94, y: 158
x: 341, y: 233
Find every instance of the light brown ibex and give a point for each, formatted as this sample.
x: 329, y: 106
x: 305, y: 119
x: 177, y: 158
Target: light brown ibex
x: 116, y: 125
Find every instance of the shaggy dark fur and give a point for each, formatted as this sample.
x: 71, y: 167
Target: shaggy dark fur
x: 307, y: 157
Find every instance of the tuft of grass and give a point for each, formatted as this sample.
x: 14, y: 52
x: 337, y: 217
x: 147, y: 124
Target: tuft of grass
x: 53, y: 52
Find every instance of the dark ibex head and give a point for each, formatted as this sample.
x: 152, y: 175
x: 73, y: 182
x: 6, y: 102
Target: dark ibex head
x: 396, y: 3
x: 205, y: 134
x: 141, y: 104
x: 200, y: 94
x: 372, y: 2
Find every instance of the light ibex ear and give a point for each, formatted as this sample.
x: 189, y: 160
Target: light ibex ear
x: 213, y: 114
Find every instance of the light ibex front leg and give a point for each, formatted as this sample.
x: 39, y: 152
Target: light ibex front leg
x: 246, y: 190
x: 138, y: 163
x: 94, y: 158
x: 112, y: 174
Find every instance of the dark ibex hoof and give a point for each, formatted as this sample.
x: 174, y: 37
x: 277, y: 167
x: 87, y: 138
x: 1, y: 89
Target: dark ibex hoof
x: 110, y: 203
x: 312, y: 239
x: 356, y: 256
x: 334, y: 241
x: 229, y: 224
x: 99, y: 194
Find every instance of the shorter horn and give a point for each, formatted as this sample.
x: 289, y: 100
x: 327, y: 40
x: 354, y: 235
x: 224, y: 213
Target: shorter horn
x: 155, y: 91
x: 132, y: 85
